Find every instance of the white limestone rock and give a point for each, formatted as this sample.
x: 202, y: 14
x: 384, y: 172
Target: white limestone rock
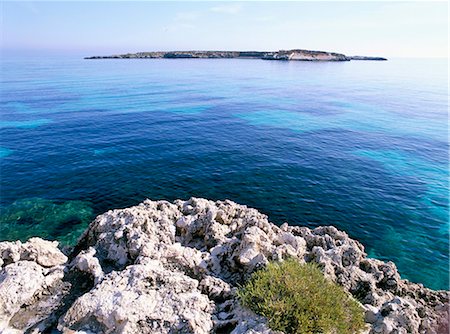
x: 45, y: 253
x: 143, y: 298
x: 163, y: 267
x: 9, y: 252
x: 86, y: 262
x: 19, y: 282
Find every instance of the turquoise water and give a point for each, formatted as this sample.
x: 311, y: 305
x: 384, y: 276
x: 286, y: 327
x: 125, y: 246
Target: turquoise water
x: 359, y: 145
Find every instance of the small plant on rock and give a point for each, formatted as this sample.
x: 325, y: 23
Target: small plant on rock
x: 297, y: 298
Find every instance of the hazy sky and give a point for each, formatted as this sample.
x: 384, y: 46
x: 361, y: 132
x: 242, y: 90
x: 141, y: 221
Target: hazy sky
x: 368, y: 28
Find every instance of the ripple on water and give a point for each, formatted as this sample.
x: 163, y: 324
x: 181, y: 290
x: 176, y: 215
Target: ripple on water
x: 105, y: 151
x: 348, y: 116
x: 415, y: 236
x: 31, y: 124
x: 432, y: 174
x: 18, y: 107
x: 4, y: 152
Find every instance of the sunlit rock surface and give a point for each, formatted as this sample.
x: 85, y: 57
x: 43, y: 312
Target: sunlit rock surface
x: 163, y: 267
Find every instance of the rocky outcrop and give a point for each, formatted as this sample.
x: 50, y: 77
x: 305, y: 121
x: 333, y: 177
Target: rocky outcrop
x: 305, y: 55
x: 163, y: 267
x: 297, y: 54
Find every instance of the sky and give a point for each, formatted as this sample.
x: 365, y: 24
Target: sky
x: 383, y: 28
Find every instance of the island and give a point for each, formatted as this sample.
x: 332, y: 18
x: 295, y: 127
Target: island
x: 296, y: 54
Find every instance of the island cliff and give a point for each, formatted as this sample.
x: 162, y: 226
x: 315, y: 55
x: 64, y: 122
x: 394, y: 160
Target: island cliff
x: 163, y: 267
x: 297, y: 54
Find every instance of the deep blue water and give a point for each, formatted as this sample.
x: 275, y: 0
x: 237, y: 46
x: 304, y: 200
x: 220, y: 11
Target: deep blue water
x: 359, y: 145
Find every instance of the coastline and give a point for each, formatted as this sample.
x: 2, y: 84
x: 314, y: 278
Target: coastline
x: 295, y: 55
x: 163, y: 266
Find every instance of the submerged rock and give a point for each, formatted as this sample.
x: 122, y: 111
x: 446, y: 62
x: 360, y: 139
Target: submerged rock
x: 163, y: 267
x: 65, y: 221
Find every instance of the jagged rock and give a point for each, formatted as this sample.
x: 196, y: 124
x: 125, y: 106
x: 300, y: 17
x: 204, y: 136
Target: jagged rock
x: 9, y: 252
x: 143, y: 298
x: 19, y: 282
x: 30, y: 270
x: 163, y: 267
x: 86, y: 262
x: 45, y: 253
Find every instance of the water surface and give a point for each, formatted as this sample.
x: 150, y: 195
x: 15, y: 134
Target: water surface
x: 359, y: 145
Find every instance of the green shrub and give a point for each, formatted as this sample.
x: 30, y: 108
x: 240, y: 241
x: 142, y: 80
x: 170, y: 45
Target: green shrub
x: 297, y: 298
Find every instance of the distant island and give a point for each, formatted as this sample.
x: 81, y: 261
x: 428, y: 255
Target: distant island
x: 297, y: 54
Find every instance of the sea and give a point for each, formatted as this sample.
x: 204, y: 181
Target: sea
x: 361, y: 145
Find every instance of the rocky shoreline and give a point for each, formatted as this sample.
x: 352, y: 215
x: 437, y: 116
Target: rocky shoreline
x: 163, y: 267
x: 297, y: 54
